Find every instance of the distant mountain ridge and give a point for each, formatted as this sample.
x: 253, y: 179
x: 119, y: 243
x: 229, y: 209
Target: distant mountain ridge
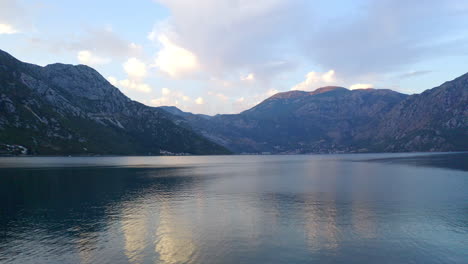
x: 64, y: 109
x: 334, y: 120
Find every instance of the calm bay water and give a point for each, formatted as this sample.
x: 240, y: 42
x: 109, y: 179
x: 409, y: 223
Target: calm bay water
x: 369, y: 208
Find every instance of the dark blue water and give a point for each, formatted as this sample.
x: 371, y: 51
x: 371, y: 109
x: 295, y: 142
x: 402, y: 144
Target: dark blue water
x: 372, y: 208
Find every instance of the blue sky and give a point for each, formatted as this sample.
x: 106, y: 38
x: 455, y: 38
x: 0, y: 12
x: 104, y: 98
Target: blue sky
x: 224, y: 56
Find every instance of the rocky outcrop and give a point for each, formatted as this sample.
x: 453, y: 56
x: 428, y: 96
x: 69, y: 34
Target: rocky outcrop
x: 435, y: 120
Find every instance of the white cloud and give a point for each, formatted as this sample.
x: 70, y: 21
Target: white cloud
x: 162, y: 101
x: 165, y: 91
x: 315, y: 80
x: 7, y: 29
x: 135, y: 68
x: 240, y: 36
x: 199, y: 101
x: 329, y: 76
x: 248, y: 77
x: 136, y: 72
x: 15, y: 17
x: 128, y: 85
x: 88, y: 58
x: 220, y: 96
x: 361, y: 86
x: 135, y: 49
x: 135, y: 85
x: 113, y: 80
x: 229, y: 35
x: 240, y: 100
x: 174, y: 60
x: 153, y: 35
x: 272, y: 92
x: 170, y: 97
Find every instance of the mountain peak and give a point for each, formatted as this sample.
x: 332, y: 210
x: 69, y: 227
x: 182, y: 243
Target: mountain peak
x: 81, y: 81
x: 328, y: 89
x: 289, y: 95
x: 296, y: 93
x: 70, y: 68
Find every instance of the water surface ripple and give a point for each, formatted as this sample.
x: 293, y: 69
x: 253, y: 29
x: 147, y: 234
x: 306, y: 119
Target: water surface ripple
x: 366, y: 208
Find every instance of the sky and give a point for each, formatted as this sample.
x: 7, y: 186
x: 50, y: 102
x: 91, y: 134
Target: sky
x: 225, y: 56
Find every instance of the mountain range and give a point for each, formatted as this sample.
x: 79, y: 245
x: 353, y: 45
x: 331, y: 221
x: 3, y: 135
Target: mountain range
x: 334, y: 120
x: 64, y: 109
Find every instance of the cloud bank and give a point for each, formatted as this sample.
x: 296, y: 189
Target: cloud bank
x: 386, y: 35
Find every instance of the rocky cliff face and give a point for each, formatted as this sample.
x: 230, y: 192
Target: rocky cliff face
x: 65, y: 109
x: 335, y: 119
x: 435, y: 120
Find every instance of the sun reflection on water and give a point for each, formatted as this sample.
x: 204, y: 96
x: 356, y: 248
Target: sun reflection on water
x: 174, y: 242
x: 135, y: 231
